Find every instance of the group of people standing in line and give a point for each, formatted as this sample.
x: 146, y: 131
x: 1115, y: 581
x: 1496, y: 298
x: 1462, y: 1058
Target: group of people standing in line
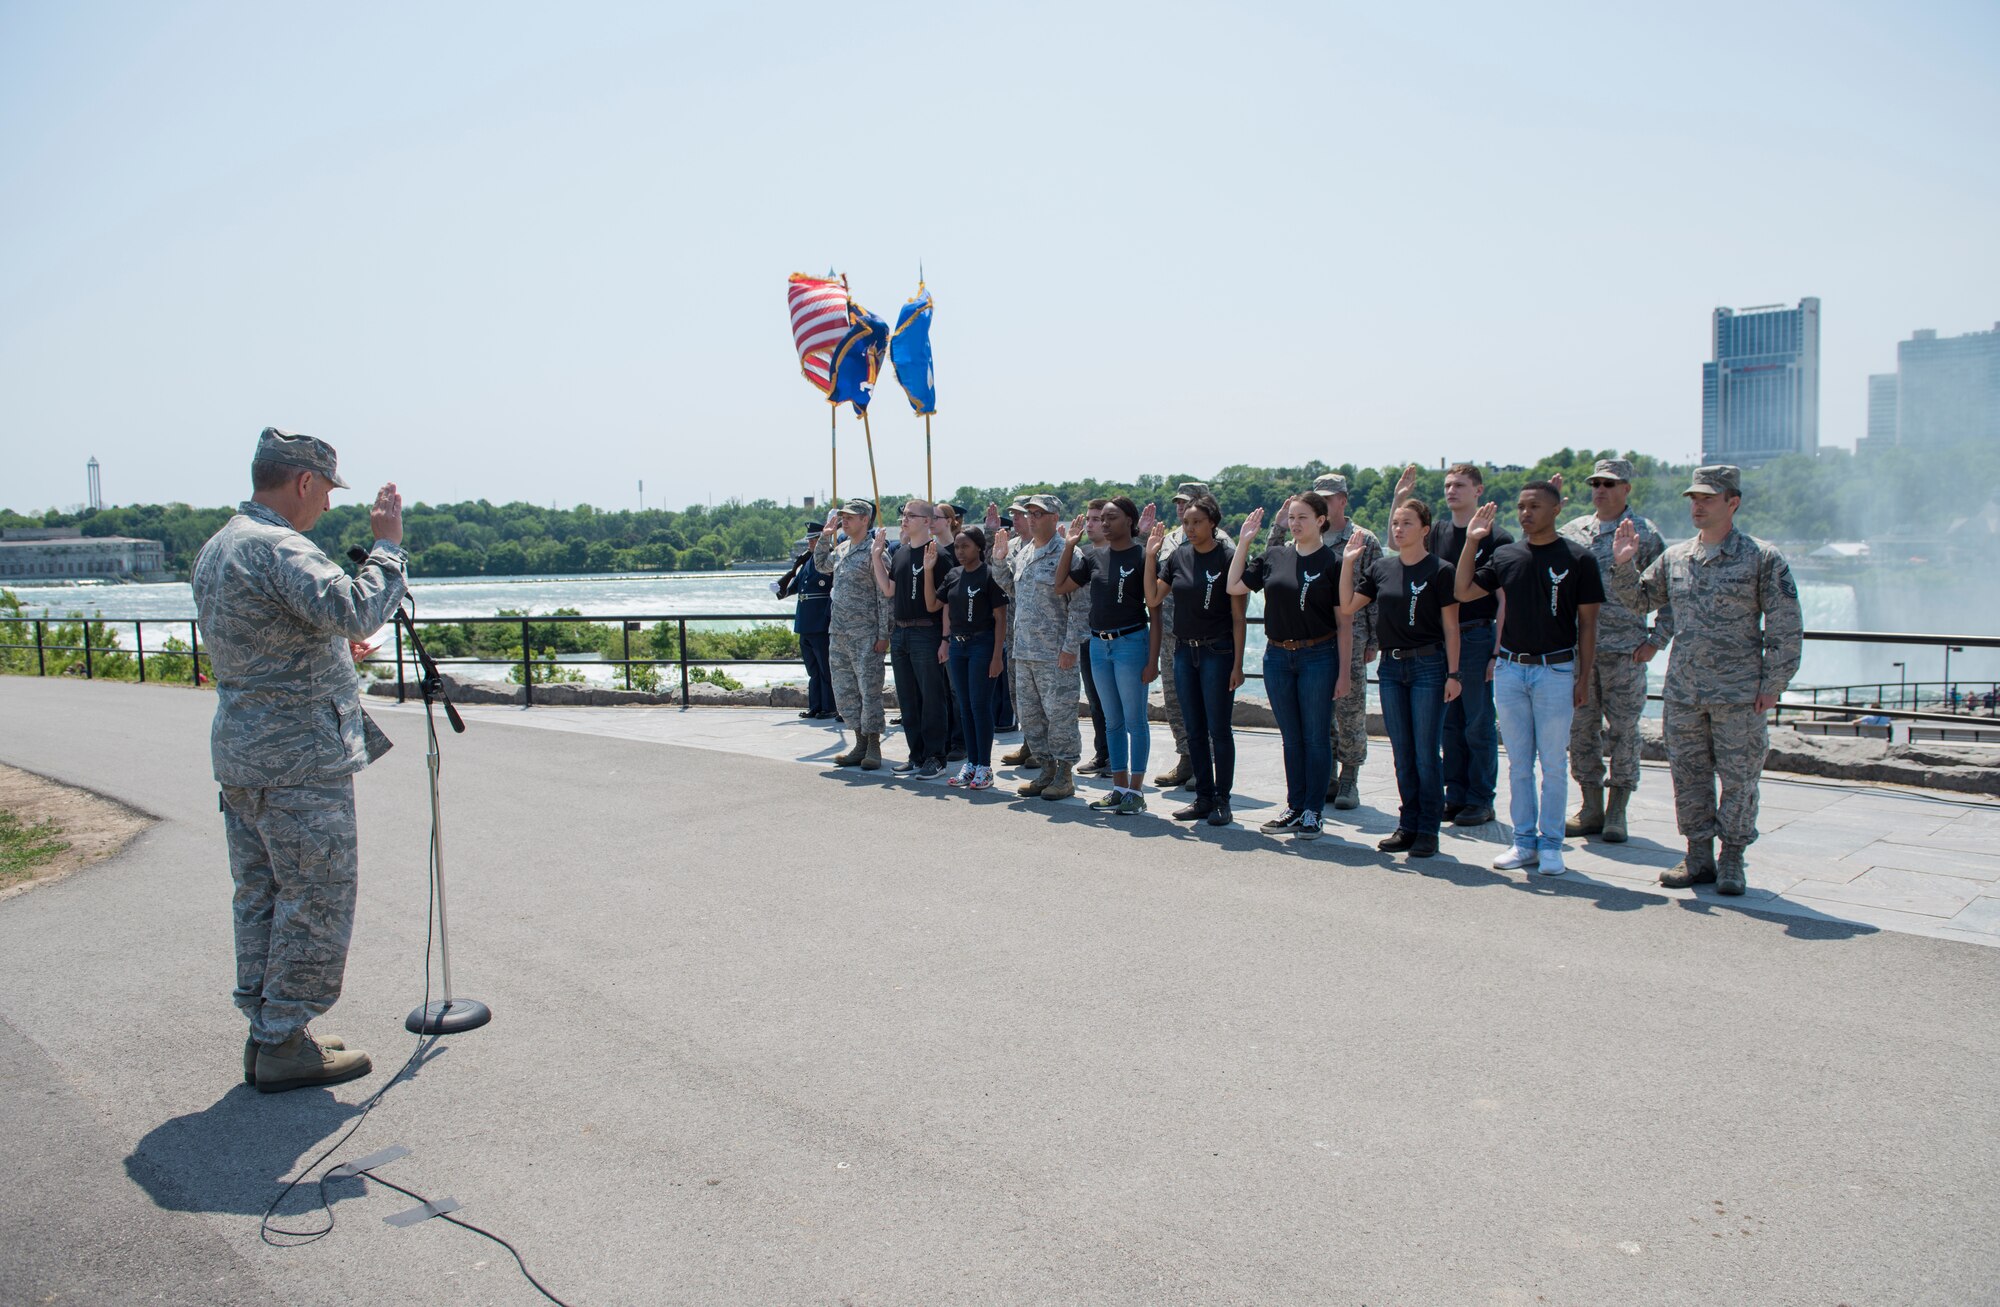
x: 1477, y: 636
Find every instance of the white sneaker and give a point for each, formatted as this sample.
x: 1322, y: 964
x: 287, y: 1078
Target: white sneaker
x: 1550, y: 864
x: 1516, y: 858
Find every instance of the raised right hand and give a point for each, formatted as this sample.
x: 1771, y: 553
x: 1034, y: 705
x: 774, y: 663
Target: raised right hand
x: 1076, y: 530
x: 1001, y: 539
x: 1481, y: 525
x: 1357, y: 545
x: 1404, y: 485
x: 992, y: 519
x: 1250, y: 526
x: 930, y: 554
x: 385, y: 518
x: 1625, y: 543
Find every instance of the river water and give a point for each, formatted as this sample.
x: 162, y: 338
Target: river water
x: 1828, y: 606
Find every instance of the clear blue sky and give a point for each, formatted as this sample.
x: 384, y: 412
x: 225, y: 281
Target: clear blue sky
x: 539, y: 251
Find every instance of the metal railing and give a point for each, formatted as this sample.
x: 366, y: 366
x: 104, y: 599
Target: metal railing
x: 1818, y: 707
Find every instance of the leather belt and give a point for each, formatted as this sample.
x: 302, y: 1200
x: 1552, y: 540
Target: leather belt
x: 1421, y: 651
x: 914, y: 622
x: 1289, y: 645
x: 1113, y: 635
x: 1207, y: 642
x: 1465, y: 623
x: 1538, y: 660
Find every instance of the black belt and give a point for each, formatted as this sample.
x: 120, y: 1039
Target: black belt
x: 913, y: 622
x: 1467, y: 622
x: 1113, y: 635
x: 1422, y: 651
x: 963, y: 639
x: 1538, y: 660
x: 1291, y: 646
x: 1206, y: 641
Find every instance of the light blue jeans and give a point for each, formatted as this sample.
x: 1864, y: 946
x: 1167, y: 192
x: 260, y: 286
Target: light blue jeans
x: 1118, y: 666
x: 1535, y: 705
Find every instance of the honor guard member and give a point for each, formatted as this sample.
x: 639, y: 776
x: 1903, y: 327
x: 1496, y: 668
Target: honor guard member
x: 1615, y: 698
x: 1736, y: 647
x: 1350, y: 713
x: 857, y: 627
x: 811, y: 587
x: 1183, y: 770
x: 1046, y: 629
x: 289, y: 734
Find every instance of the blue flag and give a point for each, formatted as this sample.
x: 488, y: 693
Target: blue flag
x: 910, y: 351
x: 858, y: 358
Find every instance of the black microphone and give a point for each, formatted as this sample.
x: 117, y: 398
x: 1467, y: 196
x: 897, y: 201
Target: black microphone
x: 358, y: 554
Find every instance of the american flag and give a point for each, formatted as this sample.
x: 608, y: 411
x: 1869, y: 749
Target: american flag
x: 819, y: 321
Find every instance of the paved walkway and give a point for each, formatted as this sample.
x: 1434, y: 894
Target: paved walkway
x: 1864, y: 856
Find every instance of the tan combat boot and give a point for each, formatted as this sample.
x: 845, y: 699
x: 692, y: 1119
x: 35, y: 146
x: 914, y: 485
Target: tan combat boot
x: 1697, y: 868
x: 1182, y: 773
x: 1615, y: 800
x: 334, y: 1042
x: 1729, y: 877
x: 1062, y: 784
x: 1589, y: 819
x: 301, y: 1061
x: 854, y: 751
x: 871, y: 751
x: 1041, y: 781
x: 1021, y: 757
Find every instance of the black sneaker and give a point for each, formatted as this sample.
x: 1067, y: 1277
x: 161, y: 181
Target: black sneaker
x: 1095, y: 767
x: 1472, y: 815
x: 1452, y: 810
x: 1283, y: 821
x: 1219, y: 815
x: 1307, y: 827
x: 954, y: 755
x: 1195, y: 811
x: 935, y: 767
x: 1425, y: 846
x: 1398, y: 840
x: 905, y: 767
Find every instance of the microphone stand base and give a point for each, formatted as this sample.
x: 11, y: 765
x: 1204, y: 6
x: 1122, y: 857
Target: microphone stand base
x: 448, y: 1017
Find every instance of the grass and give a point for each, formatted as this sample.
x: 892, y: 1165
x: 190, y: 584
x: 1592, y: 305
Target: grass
x: 24, y: 848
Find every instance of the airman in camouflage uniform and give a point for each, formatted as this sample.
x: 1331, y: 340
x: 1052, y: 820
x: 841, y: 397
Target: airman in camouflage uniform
x: 1625, y: 643
x: 1736, y: 648
x: 1046, y: 629
x: 1350, y: 715
x: 289, y: 733
x: 858, y: 628
x: 1183, y: 770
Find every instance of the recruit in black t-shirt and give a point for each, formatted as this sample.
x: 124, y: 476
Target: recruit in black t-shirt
x: 970, y: 597
x: 1200, y: 588
x: 1544, y: 585
x: 905, y: 565
x: 1446, y: 539
x: 1410, y: 599
x: 1117, y: 579
x: 1301, y: 595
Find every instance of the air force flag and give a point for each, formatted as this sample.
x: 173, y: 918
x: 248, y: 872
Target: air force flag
x: 858, y: 358
x: 910, y: 351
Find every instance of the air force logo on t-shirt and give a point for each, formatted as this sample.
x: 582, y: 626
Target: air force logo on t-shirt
x: 1555, y: 588
x: 1123, y: 572
x: 1209, y: 589
x: 971, y: 593
x: 1306, y: 580
x: 916, y: 575
x: 1416, y: 591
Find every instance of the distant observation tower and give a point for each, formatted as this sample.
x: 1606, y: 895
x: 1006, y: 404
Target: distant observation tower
x: 96, y: 487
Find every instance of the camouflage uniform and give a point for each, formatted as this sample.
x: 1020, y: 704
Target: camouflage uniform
x: 289, y: 734
x: 1043, y: 625
x: 1737, y: 637
x: 1617, y: 686
x: 861, y: 615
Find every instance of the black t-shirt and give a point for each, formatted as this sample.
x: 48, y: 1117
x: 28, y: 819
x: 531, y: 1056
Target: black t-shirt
x: 1117, y: 580
x: 1544, y: 584
x: 905, y: 566
x: 1447, y: 540
x: 1301, y: 595
x: 1200, y: 584
x: 971, y: 596
x: 1410, y: 600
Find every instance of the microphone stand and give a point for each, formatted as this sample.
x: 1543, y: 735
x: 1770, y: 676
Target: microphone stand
x: 449, y: 1015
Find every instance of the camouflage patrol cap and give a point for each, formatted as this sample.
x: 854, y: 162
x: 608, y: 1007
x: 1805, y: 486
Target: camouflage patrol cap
x: 1716, y: 479
x: 1047, y: 503
x: 1612, y: 469
x: 1330, y: 483
x: 289, y: 449
x: 1020, y: 504
x: 857, y: 508
x: 1187, y: 490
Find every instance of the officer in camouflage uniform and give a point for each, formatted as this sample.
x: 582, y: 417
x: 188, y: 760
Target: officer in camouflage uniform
x: 1046, y: 629
x: 1617, y: 688
x: 858, y: 627
x: 277, y: 615
x: 1738, y: 635
x: 1183, y: 770
x: 1350, y: 715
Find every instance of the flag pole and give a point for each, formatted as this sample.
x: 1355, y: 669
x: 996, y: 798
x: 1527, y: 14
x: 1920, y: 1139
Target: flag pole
x: 873, y: 483
x: 833, y: 429
x: 929, y: 491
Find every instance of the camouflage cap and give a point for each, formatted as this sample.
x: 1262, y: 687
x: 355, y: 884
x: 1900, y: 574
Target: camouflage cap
x: 1020, y: 505
x: 1716, y: 479
x: 1190, y: 489
x: 1615, y: 469
x: 289, y: 449
x: 1047, y: 503
x: 1331, y: 483
x: 857, y: 508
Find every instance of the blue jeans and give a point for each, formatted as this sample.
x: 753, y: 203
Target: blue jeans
x: 1471, y: 744
x: 1412, y: 692
x: 1535, y: 706
x: 1201, y: 678
x: 1117, y: 666
x: 970, y: 658
x: 1300, y: 683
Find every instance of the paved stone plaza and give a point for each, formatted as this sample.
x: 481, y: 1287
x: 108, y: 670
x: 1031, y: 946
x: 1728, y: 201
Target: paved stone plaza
x: 770, y: 1033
